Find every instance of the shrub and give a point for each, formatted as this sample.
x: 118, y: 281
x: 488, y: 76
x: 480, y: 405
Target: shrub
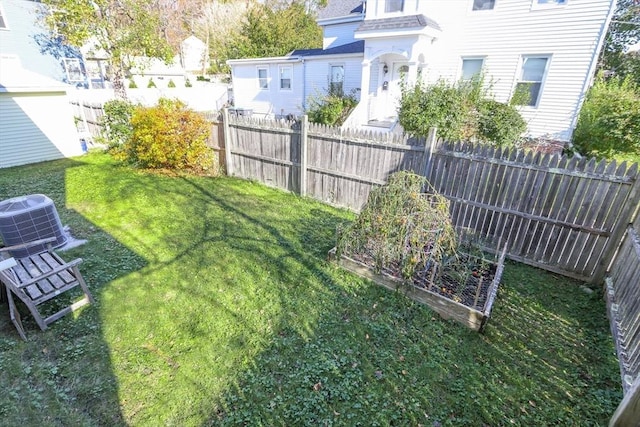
x: 331, y: 109
x: 132, y: 84
x: 116, y: 122
x: 609, y: 121
x: 459, y: 111
x: 151, y: 83
x: 499, y: 123
x: 169, y: 136
x: 440, y: 105
x: 171, y: 83
x: 401, y: 226
x: 187, y: 83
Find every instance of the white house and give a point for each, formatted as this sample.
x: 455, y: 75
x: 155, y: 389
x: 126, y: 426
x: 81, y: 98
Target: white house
x: 549, y: 47
x: 36, y: 121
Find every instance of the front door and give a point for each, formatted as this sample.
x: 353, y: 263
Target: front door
x: 399, y: 74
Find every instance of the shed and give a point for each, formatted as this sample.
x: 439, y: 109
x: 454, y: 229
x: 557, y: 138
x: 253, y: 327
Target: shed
x: 36, y: 119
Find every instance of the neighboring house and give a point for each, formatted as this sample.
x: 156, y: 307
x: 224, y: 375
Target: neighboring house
x: 145, y: 70
x: 547, y: 47
x: 193, y: 55
x: 36, y: 121
x: 23, y: 36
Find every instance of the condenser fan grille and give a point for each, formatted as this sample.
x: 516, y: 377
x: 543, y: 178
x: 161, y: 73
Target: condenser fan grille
x: 28, y: 218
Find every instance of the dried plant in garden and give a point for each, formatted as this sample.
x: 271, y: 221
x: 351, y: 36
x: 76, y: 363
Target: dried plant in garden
x: 401, y: 228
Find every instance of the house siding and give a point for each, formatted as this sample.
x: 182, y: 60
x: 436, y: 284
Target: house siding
x: 272, y: 101
x: 317, y: 74
x: 569, y: 34
x: 339, y: 34
x: 36, y: 127
x: 22, y: 36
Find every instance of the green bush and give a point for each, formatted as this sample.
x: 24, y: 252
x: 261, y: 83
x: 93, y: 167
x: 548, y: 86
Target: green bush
x: 460, y: 111
x: 169, y: 136
x: 499, y: 123
x: 171, y: 83
x: 116, y: 122
x: 609, y: 121
x: 439, y: 105
x: 331, y: 109
x: 151, y: 83
x: 187, y: 83
x: 132, y: 84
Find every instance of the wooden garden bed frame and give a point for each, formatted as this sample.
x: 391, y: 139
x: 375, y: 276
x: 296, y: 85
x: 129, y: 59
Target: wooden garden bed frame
x: 445, y: 307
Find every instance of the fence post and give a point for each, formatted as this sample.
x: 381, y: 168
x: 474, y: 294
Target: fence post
x: 617, y: 233
x: 227, y: 142
x: 304, y: 131
x: 628, y: 411
x: 428, y: 151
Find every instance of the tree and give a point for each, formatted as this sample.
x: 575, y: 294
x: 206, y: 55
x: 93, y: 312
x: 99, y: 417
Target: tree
x: 275, y: 29
x: 122, y: 28
x: 623, y: 31
x: 218, y: 25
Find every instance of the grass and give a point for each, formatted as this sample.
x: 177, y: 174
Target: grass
x: 215, y: 305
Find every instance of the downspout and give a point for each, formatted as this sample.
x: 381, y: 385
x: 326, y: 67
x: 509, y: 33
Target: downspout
x: 304, y: 86
x: 594, y: 63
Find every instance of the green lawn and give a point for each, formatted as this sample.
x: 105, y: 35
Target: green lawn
x: 216, y: 306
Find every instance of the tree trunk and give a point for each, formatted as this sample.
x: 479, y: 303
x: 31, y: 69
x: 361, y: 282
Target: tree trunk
x: 118, y: 85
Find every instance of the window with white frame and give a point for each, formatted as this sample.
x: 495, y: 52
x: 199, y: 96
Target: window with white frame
x: 391, y: 6
x: 471, y: 67
x: 263, y: 78
x: 529, y: 85
x: 285, y: 78
x: 336, y: 83
x: 73, y: 69
x: 483, y: 4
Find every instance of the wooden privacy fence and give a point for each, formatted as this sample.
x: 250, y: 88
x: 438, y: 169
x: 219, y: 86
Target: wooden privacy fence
x: 89, y: 115
x: 623, y: 306
x: 561, y: 214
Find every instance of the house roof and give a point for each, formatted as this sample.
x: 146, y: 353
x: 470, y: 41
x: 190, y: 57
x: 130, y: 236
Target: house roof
x: 398, y: 23
x: 355, y: 47
x: 14, y: 78
x: 340, y: 9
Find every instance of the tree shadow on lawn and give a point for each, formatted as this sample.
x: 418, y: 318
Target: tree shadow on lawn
x: 227, y: 270
x: 376, y: 358
x: 62, y: 376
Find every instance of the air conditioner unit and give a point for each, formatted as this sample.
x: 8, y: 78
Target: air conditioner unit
x: 28, y: 218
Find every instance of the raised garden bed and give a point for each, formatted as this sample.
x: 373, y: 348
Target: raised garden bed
x: 467, y: 298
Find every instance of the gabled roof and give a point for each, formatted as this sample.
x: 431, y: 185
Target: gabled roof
x: 398, y: 23
x: 340, y: 9
x: 355, y: 47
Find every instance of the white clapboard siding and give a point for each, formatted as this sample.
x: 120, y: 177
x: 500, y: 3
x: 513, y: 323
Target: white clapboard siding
x: 35, y: 127
x: 568, y: 33
x: 317, y: 73
x: 339, y: 34
x: 273, y: 100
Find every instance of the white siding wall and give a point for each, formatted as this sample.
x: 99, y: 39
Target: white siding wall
x: 569, y: 33
x: 317, y: 74
x: 35, y: 127
x: 339, y: 34
x: 247, y: 93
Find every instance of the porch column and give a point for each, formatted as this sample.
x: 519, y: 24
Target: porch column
x: 364, y: 90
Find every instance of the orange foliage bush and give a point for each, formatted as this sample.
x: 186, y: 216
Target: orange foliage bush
x: 169, y: 136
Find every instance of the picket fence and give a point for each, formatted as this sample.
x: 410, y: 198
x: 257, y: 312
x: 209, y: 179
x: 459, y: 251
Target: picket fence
x: 561, y: 214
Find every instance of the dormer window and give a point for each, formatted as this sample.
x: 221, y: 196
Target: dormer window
x: 483, y: 4
x: 393, y: 6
